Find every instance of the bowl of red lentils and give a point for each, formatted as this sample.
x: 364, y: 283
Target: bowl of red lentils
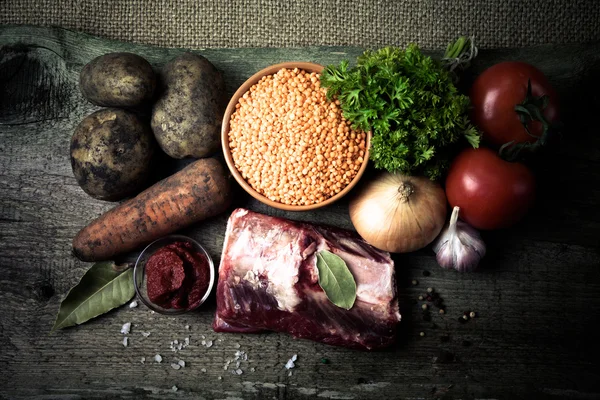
x: 286, y: 144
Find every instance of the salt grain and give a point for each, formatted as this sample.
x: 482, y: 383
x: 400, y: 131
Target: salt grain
x: 237, y: 346
x: 187, y: 327
x: 182, y: 363
x: 158, y: 358
x: 133, y: 304
x: 143, y: 360
x: 252, y: 369
x: 290, y: 364
x: 186, y: 342
x: 175, y: 366
x: 203, y: 370
x: 290, y: 373
x: 219, y: 378
x: 145, y: 334
x: 238, y: 371
x: 174, y: 388
x: 125, y: 341
x: 175, y: 341
x: 126, y: 328
x: 209, y: 343
x: 203, y: 343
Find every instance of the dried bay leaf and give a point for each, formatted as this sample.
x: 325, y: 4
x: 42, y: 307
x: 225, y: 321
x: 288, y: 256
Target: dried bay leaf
x: 103, y: 287
x: 336, y: 280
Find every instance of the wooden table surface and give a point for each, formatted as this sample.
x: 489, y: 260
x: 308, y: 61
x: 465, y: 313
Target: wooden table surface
x: 537, y: 294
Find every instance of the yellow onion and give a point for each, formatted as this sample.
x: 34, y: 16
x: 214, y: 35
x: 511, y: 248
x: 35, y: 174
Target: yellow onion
x: 399, y: 213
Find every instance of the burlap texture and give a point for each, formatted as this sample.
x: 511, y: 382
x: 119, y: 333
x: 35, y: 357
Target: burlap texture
x: 250, y: 23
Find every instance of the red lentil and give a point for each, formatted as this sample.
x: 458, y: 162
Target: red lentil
x: 291, y: 144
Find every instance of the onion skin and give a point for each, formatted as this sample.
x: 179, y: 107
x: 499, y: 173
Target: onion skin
x: 399, y: 213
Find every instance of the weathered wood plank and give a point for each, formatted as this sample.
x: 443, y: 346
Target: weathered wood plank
x: 537, y: 294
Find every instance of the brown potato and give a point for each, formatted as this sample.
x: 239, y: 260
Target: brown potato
x: 118, y: 80
x: 111, y: 151
x: 186, y: 119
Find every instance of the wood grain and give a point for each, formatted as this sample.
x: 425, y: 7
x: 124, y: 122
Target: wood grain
x: 537, y: 294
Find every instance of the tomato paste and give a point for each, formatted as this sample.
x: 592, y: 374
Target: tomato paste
x: 177, y: 276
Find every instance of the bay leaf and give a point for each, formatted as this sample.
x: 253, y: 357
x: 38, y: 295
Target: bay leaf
x: 336, y: 280
x: 103, y: 287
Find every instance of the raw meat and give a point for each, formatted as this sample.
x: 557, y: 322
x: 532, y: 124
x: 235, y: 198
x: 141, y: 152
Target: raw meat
x: 268, y: 280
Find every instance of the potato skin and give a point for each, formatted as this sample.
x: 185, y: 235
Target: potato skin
x: 111, y: 152
x: 186, y: 118
x: 118, y: 80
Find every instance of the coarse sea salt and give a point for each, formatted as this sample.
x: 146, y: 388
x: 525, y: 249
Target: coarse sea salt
x: 181, y: 362
x: 158, y: 358
x: 125, y: 341
x: 187, y: 327
x: 133, y: 304
x: 203, y: 370
x: 209, y: 343
x: 143, y: 360
x: 145, y: 334
x: 290, y: 364
x: 175, y: 366
x: 126, y: 328
x: 174, y: 388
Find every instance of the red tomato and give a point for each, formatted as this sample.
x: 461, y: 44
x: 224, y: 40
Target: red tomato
x: 494, y: 96
x: 491, y: 193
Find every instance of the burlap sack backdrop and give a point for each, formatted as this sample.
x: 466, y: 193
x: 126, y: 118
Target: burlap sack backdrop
x: 249, y: 23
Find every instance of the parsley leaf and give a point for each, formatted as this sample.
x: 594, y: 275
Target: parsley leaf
x: 409, y: 102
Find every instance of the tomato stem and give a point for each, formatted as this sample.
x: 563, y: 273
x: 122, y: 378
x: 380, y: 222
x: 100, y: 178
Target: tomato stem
x: 530, y: 109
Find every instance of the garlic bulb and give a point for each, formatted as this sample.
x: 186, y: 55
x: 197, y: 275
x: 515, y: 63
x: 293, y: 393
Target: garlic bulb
x: 459, y: 246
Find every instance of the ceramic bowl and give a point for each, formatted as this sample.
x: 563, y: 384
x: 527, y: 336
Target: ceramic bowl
x: 309, y: 67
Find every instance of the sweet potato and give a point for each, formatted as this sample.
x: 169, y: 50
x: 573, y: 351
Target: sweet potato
x: 199, y: 191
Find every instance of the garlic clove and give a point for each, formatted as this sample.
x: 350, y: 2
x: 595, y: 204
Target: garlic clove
x: 469, y: 237
x: 445, y: 256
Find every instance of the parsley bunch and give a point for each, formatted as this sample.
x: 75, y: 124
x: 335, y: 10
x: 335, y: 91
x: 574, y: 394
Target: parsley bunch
x: 409, y: 103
